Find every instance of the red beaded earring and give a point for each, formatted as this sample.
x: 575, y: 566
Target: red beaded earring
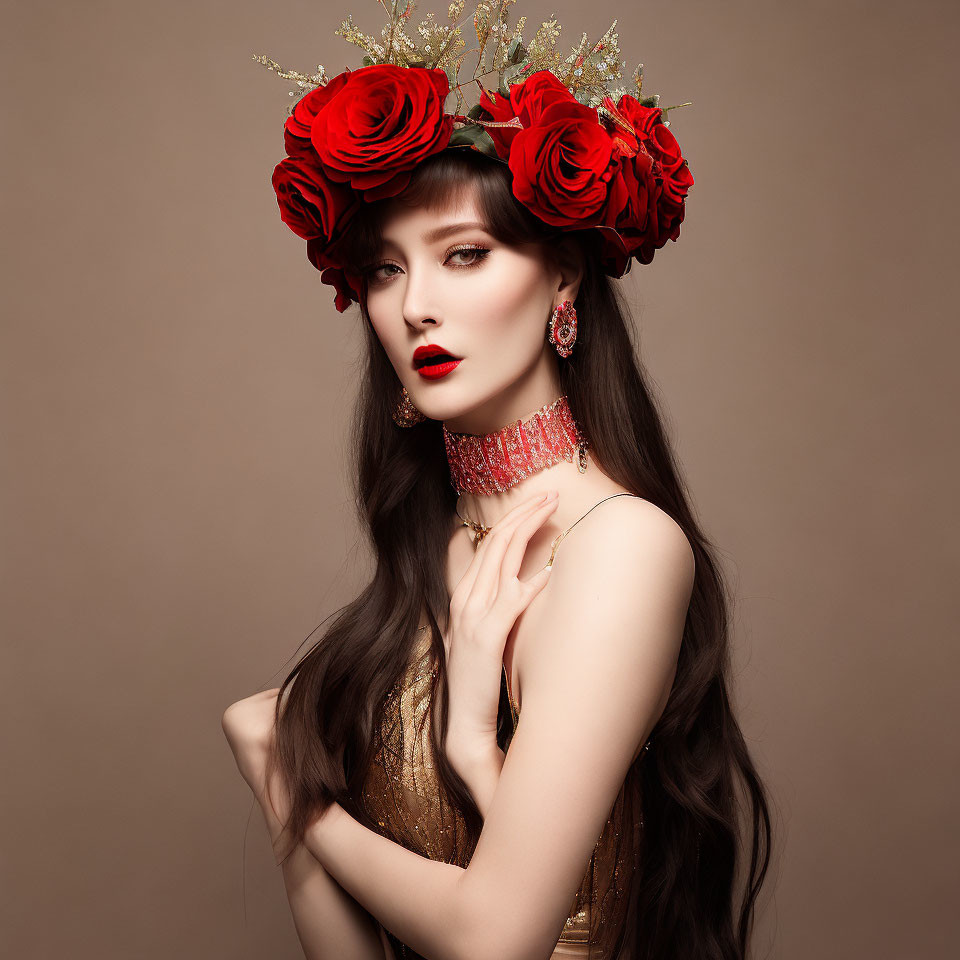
x: 562, y: 327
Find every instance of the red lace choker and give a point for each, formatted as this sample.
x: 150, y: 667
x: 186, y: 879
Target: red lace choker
x: 494, y: 462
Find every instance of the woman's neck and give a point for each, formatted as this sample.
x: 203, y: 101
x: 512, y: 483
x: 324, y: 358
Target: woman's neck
x: 488, y: 508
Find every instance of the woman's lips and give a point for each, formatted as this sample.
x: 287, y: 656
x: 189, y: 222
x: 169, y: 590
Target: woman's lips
x: 434, y: 371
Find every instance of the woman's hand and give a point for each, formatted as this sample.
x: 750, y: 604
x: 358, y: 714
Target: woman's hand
x: 483, y: 609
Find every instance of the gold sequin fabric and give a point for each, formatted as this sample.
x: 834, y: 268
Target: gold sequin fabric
x: 402, y: 795
x: 401, y: 791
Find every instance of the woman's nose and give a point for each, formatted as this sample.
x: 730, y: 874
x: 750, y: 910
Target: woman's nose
x: 418, y: 307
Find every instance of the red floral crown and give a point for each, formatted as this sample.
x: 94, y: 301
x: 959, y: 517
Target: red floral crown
x: 583, y: 153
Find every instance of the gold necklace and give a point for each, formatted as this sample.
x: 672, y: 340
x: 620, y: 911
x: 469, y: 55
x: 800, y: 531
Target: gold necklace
x: 480, y: 530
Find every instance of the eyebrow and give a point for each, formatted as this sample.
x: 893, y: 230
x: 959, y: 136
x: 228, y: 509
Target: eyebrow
x: 440, y: 233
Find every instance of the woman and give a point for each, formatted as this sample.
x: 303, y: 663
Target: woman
x: 567, y: 580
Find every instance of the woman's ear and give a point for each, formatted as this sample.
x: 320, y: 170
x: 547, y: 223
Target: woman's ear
x: 569, y: 262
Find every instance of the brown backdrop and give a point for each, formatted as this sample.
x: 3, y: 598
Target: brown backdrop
x: 176, y: 388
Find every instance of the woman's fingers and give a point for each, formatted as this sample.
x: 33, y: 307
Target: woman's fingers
x: 468, y: 580
x: 535, y: 584
x: 524, y: 530
x: 487, y: 579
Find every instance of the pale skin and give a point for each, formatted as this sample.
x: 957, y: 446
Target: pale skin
x: 590, y: 648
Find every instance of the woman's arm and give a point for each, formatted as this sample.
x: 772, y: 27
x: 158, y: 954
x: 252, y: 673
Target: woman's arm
x: 329, y: 922
x: 596, y: 677
x: 481, y: 775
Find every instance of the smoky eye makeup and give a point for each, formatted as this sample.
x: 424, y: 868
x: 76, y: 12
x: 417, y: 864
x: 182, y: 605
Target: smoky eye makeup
x: 474, y: 253
x: 478, y: 253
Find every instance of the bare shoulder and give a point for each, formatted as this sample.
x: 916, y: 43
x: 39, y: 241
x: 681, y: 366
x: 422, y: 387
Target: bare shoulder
x: 624, y: 533
x: 621, y: 584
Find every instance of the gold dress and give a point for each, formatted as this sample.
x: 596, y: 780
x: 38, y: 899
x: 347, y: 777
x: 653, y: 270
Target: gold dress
x: 402, y: 795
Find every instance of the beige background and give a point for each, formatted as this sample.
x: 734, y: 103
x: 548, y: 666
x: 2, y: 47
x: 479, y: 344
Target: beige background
x: 176, y: 386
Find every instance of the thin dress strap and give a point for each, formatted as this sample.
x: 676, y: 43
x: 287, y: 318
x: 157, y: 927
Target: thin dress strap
x: 515, y: 712
x: 560, y: 536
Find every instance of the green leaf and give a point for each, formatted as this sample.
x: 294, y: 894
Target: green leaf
x: 452, y: 99
x: 512, y: 74
x: 474, y: 138
x: 475, y: 112
x: 465, y: 136
x: 516, y: 51
x: 484, y: 143
x: 368, y: 61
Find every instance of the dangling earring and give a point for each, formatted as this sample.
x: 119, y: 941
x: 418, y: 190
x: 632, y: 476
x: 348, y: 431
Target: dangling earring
x: 562, y: 327
x: 405, y: 414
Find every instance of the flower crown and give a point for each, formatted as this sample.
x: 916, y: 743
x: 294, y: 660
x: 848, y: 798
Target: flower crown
x: 582, y: 151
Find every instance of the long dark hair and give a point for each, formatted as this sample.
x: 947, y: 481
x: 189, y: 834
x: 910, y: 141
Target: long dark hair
x: 704, y: 807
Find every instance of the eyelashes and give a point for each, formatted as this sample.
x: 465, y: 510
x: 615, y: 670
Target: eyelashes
x: 479, y: 255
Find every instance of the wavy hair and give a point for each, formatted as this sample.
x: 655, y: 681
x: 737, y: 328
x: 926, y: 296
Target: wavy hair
x: 706, y: 819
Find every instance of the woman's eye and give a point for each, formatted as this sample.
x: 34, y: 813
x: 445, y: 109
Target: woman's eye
x: 463, y: 257
x: 373, y: 274
x: 474, y: 255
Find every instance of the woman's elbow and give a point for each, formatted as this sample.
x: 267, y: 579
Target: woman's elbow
x: 489, y: 927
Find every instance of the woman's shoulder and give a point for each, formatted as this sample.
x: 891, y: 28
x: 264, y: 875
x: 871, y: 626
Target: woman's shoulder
x: 624, y: 549
x: 623, y: 572
x: 621, y: 525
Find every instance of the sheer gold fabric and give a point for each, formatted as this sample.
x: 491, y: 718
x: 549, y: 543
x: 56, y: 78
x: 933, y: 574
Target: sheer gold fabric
x: 403, y: 797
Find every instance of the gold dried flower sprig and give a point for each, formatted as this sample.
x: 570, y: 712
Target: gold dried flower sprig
x: 306, y: 82
x: 591, y: 72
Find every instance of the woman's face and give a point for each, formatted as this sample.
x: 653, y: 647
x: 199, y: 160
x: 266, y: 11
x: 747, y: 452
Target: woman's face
x: 442, y: 280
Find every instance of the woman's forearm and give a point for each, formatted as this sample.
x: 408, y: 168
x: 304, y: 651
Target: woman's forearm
x: 420, y: 901
x: 340, y: 919
x: 329, y: 922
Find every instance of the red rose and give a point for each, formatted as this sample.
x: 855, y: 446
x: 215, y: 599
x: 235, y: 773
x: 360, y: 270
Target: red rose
x: 528, y: 100
x: 562, y: 160
x: 563, y: 164
x: 636, y: 192
x: 312, y: 205
x: 620, y: 130
x: 345, y: 281
x: 296, y: 131
x: 664, y: 148
x: 532, y: 97
x: 643, y: 119
x: 345, y: 292
x: 370, y: 127
x: 655, y: 182
x: 661, y: 145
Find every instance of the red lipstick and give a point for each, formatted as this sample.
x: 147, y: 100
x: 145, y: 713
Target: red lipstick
x: 433, y: 362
